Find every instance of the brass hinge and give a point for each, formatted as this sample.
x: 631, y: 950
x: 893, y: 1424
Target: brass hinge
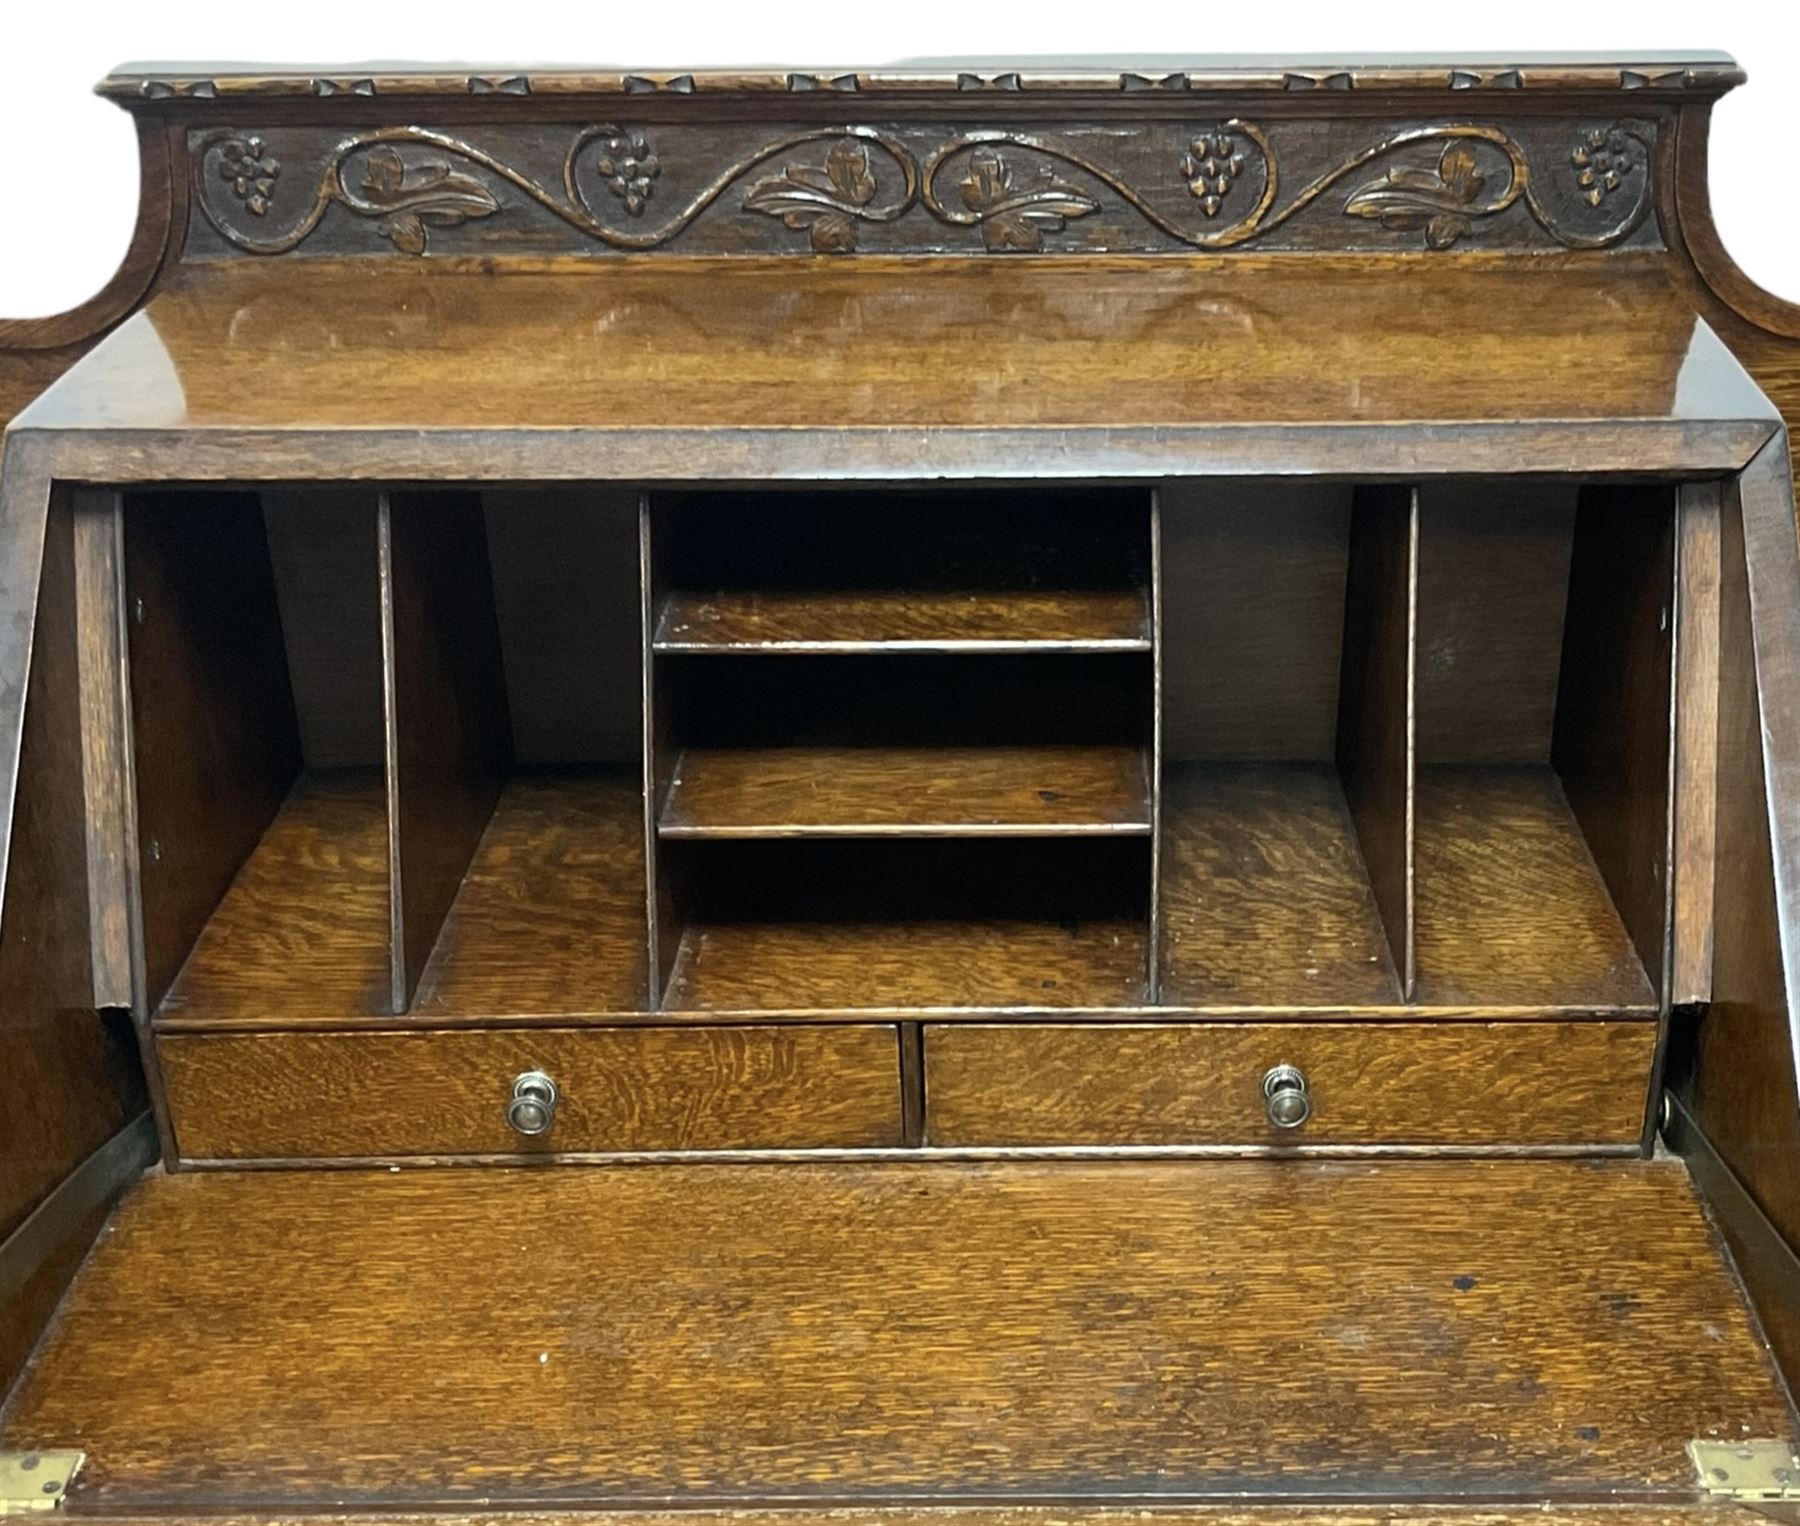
x: 32, y: 1481
x: 1747, y: 1471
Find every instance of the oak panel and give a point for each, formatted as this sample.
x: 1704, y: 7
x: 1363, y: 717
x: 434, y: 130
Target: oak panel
x: 330, y: 1095
x: 1493, y: 586
x: 449, y: 735
x: 903, y: 1331
x: 918, y: 619
x: 1613, y: 745
x: 1511, y: 908
x: 1253, y: 577
x: 303, y: 929
x: 216, y: 736
x: 949, y: 790
x: 550, y: 916
x: 1265, y: 899
x: 1515, y: 1083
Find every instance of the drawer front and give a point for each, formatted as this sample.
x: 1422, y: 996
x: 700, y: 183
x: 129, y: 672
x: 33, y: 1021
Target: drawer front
x: 332, y: 1095
x: 1392, y: 1083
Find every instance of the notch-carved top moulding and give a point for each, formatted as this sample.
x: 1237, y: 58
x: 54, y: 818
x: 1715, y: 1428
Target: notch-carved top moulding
x: 1706, y: 75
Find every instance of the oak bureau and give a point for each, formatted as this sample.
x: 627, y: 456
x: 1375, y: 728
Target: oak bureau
x: 1043, y: 796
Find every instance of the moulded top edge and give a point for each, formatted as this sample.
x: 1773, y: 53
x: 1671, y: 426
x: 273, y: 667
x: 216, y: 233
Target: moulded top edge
x: 1697, y: 72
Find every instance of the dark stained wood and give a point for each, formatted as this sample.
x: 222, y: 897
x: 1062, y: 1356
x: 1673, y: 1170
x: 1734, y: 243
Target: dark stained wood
x: 449, y: 738
x: 327, y: 586
x: 68, y: 1079
x: 425, y: 1093
x: 914, y: 701
x: 1742, y: 1084
x: 109, y: 802
x: 303, y: 929
x: 695, y: 1334
x: 1613, y: 743
x: 1253, y: 619
x: 1510, y: 905
x: 1376, y: 716
x: 216, y: 736
x: 1265, y: 900
x: 565, y: 568
x: 835, y: 620
x: 1696, y: 741
x: 1462, y: 1085
x: 1493, y: 586
x: 550, y: 917
x: 201, y: 87
x: 794, y: 926
x: 911, y: 791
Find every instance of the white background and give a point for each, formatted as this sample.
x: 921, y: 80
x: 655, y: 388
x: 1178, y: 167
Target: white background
x: 71, y: 172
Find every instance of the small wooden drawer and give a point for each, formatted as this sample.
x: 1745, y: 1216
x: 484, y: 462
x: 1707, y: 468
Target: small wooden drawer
x: 1388, y: 1083
x: 446, y: 1092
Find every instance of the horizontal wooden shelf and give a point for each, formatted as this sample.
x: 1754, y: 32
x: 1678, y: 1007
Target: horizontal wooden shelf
x: 1265, y: 899
x: 1511, y: 908
x: 693, y: 1336
x: 303, y: 929
x: 1000, y: 962
x: 550, y: 919
x: 909, y: 791
x: 905, y: 620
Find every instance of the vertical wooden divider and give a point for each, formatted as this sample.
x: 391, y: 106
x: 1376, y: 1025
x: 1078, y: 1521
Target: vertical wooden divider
x: 1699, y: 505
x: 660, y: 917
x: 205, y: 658
x: 1153, y: 981
x: 1376, y: 710
x: 1613, y: 742
x: 448, y: 735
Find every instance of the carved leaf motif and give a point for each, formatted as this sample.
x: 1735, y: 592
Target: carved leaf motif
x: 1438, y: 200
x: 435, y: 196
x: 824, y: 202
x: 848, y: 166
x: 1019, y: 217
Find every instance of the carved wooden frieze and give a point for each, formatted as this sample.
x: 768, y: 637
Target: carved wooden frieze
x: 760, y: 188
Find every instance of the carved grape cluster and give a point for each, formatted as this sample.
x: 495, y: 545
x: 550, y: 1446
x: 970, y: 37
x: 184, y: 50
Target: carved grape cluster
x: 1602, y: 160
x: 629, y: 168
x: 251, y: 171
x: 1212, y: 165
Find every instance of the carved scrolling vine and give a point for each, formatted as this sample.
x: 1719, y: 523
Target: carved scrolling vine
x: 1010, y: 187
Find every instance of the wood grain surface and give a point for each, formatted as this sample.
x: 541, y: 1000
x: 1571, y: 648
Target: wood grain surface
x: 1613, y: 744
x: 215, y: 733
x: 303, y: 929
x: 1265, y: 899
x: 1696, y: 740
x: 550, y: 917
x: 911, y: 619
x: 902, y: 1332
x: 1510, y: 905
x: 322, y: 544
x: 1377, y: 719
x: 1463, y: 1084
x: 923, y: 922
x: 449, y: 734
x: 332, y: 1095
x: 1743, y: 1090
x: 1493, y: 588
x: 915, y: 791
x: 721, y: 343
x: 1252, y: 619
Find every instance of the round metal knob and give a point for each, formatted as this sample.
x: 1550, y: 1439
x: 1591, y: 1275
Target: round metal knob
x: 533, y: 1107
x: 1284, y: 1087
